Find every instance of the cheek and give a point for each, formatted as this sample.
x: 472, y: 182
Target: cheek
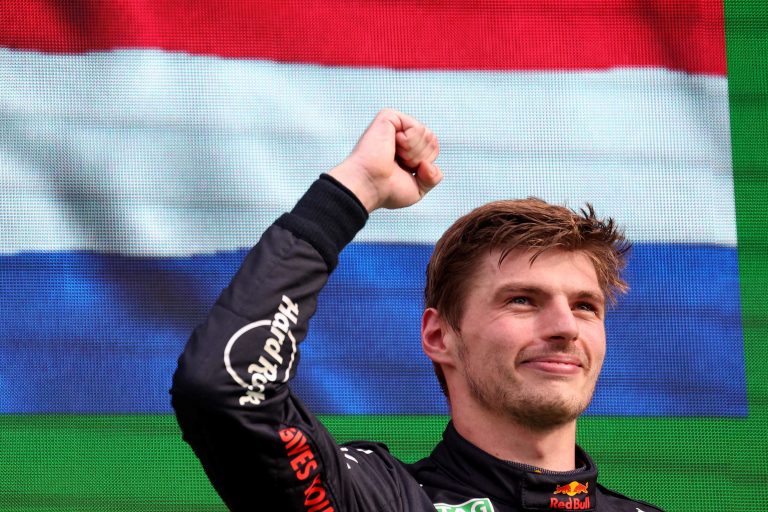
x: 496, y: 335
x: 486, y: 345
x: 599, y: 358
x: 597, y: 346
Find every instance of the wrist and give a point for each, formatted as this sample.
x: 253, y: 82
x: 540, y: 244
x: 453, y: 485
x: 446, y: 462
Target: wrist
x: 328, y: 216
x: 358, y: 183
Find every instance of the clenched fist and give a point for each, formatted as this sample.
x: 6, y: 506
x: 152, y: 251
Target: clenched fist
x: 392, y: 165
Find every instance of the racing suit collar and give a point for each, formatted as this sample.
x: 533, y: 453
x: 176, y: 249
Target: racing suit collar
x: 514, y: 484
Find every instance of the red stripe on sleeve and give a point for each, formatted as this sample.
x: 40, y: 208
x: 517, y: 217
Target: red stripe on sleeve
x: 685, y: 35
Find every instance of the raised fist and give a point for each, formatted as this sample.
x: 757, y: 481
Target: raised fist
x: 392, y: 164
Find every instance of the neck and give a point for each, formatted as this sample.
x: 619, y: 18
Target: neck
x: 553, y: 449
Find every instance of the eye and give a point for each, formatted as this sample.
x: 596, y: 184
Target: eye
x: 521, y: 300
x: 588, y: 307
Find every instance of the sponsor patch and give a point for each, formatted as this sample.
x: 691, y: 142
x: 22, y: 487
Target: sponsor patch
x: 540, y: 492
x: 306, y: 469
x: 571, y: 490
x: 274, y: 357
x: 473, y: 505
x: 570, y: 504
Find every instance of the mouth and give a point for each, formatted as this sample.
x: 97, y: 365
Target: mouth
x: 556, y: 364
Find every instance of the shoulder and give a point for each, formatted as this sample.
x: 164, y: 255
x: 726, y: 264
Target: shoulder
x: 380, y: 477
x: 372, y: 455
x: 612, y: 500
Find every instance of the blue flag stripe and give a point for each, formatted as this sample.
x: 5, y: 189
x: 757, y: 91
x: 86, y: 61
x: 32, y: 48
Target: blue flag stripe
x: 139, y: 312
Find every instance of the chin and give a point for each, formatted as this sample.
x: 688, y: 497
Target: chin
x: 545, y: 411
x: 546, y: 416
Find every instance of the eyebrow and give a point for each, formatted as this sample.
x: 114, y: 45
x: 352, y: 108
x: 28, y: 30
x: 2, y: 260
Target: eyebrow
x: 508, y: 288
x: 599, y: 297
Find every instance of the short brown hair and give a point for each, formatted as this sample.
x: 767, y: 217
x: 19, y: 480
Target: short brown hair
x: 519, y: 224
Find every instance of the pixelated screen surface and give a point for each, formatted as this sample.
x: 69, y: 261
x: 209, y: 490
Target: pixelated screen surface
x: 144, y: 148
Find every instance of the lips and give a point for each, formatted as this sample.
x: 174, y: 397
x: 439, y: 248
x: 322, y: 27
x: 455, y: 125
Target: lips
x: 560, y: 364
x: 555, y: 358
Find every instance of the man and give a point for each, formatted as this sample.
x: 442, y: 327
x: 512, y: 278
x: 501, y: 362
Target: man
x: 514, y: 324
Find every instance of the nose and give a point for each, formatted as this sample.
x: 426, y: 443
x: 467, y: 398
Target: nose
x: 558, y: 322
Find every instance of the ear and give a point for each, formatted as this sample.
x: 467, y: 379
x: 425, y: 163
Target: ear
x: 436, y: 337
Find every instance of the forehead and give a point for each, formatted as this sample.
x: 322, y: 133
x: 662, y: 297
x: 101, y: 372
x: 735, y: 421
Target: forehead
x: 553, y: 269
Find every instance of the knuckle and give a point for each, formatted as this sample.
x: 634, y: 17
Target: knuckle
x: 386, y: 114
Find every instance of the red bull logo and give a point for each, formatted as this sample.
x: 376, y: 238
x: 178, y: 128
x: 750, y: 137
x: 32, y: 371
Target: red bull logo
x: 572, y: 489
x: 570, y: 504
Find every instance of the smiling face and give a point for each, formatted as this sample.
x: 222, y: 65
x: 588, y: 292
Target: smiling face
x: 531, y: 339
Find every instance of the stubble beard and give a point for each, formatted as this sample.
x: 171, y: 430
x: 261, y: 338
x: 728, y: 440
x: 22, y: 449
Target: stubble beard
x: 532, y: 408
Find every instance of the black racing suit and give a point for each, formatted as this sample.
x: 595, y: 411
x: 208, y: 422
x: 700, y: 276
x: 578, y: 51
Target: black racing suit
x: 264, y: 451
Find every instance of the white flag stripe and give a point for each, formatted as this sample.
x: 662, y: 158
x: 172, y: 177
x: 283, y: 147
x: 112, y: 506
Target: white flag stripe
x: 150, y: 152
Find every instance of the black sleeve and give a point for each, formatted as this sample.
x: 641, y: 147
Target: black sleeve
x: 260, y: 446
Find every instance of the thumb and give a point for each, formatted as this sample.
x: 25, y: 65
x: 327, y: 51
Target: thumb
x: 378, y: 140
x: 428, y: 175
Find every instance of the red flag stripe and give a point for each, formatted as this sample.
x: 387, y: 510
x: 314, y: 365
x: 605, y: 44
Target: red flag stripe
x: 685, y: 35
